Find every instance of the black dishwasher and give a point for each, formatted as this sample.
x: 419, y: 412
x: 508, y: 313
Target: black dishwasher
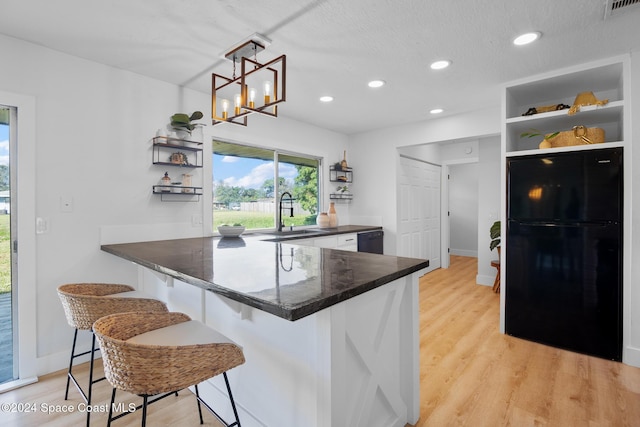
x: 371, y: 241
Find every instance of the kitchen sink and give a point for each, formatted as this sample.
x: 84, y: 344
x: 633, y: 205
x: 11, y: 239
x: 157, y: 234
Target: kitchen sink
x: 284, y: 234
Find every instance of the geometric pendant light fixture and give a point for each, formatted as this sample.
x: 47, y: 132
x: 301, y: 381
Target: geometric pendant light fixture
x: 259, y: 88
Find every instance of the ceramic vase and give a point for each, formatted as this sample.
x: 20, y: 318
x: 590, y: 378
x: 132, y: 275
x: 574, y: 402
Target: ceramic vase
x: 333, y: 216
x: 322, y: 220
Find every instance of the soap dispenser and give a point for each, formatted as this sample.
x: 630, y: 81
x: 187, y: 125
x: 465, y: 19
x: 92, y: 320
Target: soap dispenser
x: 165, y: 181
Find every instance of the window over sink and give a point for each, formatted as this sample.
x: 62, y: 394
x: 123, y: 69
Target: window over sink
x: 248, y: 182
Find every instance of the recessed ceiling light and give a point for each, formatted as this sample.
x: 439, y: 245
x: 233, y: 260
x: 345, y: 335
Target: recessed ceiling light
x: 439, y: 65
x: 376, y: 83
x: 326, y: 98
x: 436, y: 111
x: 526, y: 38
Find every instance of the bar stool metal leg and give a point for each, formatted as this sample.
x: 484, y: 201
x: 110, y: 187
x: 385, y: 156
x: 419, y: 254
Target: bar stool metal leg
x: 86, y: 395
x: 199, y: 406
x: 69, y: 374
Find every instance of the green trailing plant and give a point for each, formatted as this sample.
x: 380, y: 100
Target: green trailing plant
x: 181, y: 121
x: 531, y: 133
x: 494, y: 232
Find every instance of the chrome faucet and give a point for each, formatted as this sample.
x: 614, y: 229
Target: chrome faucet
x: 280, y: 222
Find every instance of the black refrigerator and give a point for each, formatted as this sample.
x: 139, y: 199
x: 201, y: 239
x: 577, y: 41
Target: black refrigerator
x: 564, y: 250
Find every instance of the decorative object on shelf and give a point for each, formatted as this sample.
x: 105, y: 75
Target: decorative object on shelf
x: 545, y: 109
x: 234, y: 230
x: 333, y: 215
x: 179, y: 158
x: 186, y: 182
x: 176, y: 187
x: 233, y: 99
x: 322, y: 220
x: 584, y: 99
x: 339, y: 174
x: 183, y: 124
x: 342, y: 193
x: 343, y: 163
x: 165, y: 182
x: 578, y: 135
x: 532, y: 133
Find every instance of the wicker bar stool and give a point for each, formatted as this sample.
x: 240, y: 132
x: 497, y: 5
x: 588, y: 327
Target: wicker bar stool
x: 84, y: 303
x: 156, y: 354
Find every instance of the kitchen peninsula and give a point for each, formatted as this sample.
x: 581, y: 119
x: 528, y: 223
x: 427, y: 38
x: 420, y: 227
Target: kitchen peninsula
x: 330, y: 336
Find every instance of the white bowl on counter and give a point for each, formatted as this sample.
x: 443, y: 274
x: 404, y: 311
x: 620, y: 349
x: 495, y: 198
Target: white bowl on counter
x: 231, y: 230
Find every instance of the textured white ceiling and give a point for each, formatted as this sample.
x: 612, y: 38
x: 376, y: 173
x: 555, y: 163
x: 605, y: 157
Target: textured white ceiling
x: 336, y: 46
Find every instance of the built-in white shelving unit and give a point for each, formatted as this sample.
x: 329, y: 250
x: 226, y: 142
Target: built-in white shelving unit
x: 607, y: 79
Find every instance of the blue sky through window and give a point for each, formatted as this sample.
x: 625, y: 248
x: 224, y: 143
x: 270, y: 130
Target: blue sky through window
x: 4, y: 145
x: 247, y: 173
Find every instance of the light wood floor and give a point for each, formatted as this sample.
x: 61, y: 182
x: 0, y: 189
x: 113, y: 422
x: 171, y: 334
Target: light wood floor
x: 470, y: 374
x: 474, y: 376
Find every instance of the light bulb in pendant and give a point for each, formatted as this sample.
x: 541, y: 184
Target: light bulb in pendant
x: 237, y: 103
x: 225, y: 108
x: 267, y: 92
x: 252, y: 97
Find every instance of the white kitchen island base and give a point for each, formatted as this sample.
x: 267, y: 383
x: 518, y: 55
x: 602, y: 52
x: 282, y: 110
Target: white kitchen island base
x: 353, y: 364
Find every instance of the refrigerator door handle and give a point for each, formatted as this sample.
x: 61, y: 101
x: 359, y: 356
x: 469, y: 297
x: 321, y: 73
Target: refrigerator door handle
x: 568, y: 224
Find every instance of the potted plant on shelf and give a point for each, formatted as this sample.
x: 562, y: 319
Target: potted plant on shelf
x: 179, y: 158
x: 183, y: 124
x: 494, y: 232
x: 532, y: 133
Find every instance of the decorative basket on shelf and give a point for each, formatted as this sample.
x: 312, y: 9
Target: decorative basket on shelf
x: 578, y: 135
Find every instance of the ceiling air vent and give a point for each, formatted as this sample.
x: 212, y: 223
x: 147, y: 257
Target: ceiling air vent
x: 617, y: 7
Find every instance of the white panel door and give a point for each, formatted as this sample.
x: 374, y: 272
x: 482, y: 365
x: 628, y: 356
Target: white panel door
x: 419, y: 211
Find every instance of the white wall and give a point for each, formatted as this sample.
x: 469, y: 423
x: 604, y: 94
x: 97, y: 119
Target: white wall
x: 374, y: 155
x: 463, y: 209
x: 93, y: 130
x: 489, y: 206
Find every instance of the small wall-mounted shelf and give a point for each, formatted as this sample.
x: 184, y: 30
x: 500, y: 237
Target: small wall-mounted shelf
x: 171, y: 189
x: 341, y: 196
x: 340, y: 175
x: 174, y: 152
x: 164, y: 148
x: 175, y: 193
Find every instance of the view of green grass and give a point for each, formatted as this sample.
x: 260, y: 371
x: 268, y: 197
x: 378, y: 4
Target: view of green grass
x: 5, y: 253
x: 256, y: 219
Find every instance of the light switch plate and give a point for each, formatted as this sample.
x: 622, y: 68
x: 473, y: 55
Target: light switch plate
x: 42, y: 225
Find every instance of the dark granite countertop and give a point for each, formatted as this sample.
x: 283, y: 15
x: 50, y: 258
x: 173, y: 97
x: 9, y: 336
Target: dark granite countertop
x: 288, y: 280
x: 308, y: 233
